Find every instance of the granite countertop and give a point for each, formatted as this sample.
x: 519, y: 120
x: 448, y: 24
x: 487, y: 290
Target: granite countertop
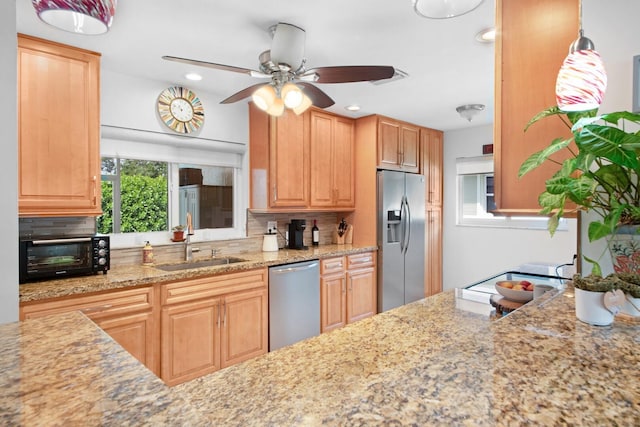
x: 426, y: 363
x: 64, y: 370
x: 121, y: 277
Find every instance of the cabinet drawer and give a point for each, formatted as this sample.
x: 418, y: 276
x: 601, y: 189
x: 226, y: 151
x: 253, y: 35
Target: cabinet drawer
x: 99, y: 306
x: 332, y: 265
x: 365, y: 259
x: 190, y: 290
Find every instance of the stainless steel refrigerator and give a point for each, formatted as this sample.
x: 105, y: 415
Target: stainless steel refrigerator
x: 401, y: 238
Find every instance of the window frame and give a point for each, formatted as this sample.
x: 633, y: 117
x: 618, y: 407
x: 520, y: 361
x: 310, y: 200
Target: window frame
x: 175, y: 149
x: 483, y: 166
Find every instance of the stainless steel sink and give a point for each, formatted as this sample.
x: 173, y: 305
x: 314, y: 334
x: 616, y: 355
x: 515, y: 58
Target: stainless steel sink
x: 200, y: 263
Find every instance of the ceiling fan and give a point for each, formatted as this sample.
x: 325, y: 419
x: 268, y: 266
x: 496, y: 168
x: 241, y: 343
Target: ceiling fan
x: 291, y: 82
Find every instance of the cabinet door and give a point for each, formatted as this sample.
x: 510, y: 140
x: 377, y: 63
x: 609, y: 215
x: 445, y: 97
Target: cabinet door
x: 58, y: 130
x: 388, y: 144
x: 344, y: 162
x: 322, y: 160
x: 289, y: 160
x: 410, y: 152
x: 244, y: 326
x: 190, y: 340
x: 136, y: 334
x: 432, y: 161
x: 529, y: 49
x: 433, y: 261
x: 361, y: 299
x: 333, y: 302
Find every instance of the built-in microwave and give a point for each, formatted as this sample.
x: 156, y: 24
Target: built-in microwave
x: 50, y: 258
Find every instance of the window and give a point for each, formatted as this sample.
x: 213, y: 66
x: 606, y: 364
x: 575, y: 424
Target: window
x: 150, y: 181
x: 134, y: 196
x: 476, y: 198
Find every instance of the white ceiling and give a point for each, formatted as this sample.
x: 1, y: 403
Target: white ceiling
x: 446, y: 66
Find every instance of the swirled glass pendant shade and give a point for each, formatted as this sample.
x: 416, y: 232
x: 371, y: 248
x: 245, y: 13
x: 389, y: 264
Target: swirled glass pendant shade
x: 77, y: 16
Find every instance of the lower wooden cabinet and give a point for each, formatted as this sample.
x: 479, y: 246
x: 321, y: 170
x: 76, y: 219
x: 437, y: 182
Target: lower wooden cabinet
x: 128, y: 316
x: 208, y: 324
x: 347, y: 290
x: 433, y: 261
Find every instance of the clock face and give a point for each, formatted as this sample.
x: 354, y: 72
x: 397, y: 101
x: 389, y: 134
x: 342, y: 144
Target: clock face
x: 180, y: 109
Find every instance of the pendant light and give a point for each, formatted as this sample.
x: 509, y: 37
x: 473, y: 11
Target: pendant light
x: 443, y: 9
x: 582, y: 79
x: 77, y: 16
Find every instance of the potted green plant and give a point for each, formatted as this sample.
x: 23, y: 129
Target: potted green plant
x: 599, y: 175
x: 178, y: 233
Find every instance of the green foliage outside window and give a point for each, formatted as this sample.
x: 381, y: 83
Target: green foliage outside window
x: 143, y: 197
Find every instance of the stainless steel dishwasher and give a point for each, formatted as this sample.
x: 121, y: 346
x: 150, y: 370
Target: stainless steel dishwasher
x: 294, y: 303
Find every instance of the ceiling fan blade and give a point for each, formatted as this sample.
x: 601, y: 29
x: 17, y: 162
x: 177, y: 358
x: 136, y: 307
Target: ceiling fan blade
x: 244, y: 93
x: 318, y: 97
x: 252, y: 73
x: 353, y: 73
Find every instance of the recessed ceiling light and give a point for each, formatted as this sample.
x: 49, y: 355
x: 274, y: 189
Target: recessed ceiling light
x: 488, y: 35
x: 193, y: 76
x: 352, y: 107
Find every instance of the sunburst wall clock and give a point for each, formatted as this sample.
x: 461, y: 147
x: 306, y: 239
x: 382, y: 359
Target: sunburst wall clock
x: 180, y: 109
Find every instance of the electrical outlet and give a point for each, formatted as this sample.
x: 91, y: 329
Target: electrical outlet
x: 272, y: 227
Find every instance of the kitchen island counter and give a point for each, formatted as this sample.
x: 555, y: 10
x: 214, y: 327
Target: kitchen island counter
x: 426, y: 363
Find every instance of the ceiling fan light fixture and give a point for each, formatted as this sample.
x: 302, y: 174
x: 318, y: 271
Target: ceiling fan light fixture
x: 276, y: 108
x: 264, y: 97
x: 291, y: 95
x: 89, y: 17
x: 443, y: 9
x: 306, y: 103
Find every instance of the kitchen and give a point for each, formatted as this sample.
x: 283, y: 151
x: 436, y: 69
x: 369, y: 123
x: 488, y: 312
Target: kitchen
x: 459, y: 137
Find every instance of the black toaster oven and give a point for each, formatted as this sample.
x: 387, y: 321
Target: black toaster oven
x: 50, y: 258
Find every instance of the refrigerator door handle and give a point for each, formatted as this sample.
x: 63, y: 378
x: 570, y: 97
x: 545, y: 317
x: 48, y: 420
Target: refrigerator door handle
x: 408, y: 226
x: 403, y: 224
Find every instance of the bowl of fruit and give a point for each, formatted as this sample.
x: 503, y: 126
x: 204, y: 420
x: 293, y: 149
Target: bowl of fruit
x: 515, y: 290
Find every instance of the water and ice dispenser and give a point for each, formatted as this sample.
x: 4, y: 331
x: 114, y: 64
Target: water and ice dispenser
x: 393, y: 226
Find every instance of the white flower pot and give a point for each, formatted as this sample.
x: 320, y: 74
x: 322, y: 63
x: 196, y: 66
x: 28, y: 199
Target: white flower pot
x: 631, y: 306
x: 590, y: 308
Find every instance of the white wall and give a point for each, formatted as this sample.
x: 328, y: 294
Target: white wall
x: 613, y: 28
x: 8, y: 165
x: 474, y: 253
x: 130, y: 102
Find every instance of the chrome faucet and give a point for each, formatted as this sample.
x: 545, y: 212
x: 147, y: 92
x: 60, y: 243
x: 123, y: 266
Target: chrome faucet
x: 188, y: 250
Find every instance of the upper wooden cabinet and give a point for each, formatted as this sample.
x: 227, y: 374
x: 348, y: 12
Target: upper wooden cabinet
x: 279, y: 159
x: 58, y: 129
x: 301, y: 162
x: 398, y: 145
x: 431, y: 143
x: 332, y: 161
x: 533, y: 38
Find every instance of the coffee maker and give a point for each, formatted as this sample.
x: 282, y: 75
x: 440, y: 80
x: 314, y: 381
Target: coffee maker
x: 296, y: 233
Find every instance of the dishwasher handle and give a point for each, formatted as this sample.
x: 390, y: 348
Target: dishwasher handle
x: 283, y: 270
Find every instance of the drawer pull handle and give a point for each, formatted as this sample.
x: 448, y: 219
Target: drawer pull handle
x: 95, y: 309
x: 361, y: 260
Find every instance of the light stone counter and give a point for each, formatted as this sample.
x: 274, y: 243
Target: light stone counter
x: 137, y: 275
x: 426, y: 363
x: 65, y: 371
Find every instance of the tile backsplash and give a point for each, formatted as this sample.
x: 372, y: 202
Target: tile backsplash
x: 31, y: 228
